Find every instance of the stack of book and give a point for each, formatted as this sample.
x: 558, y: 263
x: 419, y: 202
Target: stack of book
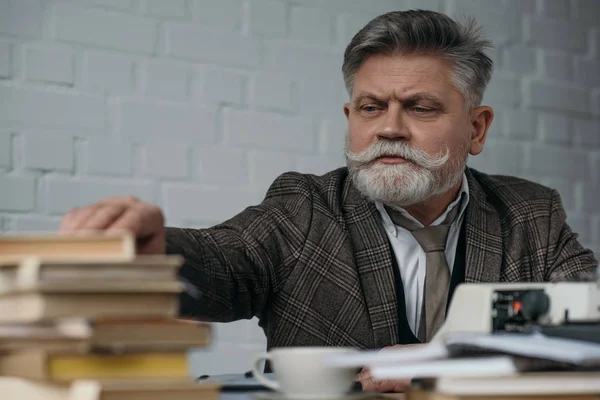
x: 478, y: 366
x: 82, y: 317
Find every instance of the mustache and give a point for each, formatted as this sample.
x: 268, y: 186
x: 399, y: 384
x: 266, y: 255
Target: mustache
x: 397, y: 149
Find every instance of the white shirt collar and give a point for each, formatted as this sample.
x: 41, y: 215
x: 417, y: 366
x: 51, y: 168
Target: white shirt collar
x: 464, y: 192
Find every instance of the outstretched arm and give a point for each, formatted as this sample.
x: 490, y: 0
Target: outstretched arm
x: 232, y: 269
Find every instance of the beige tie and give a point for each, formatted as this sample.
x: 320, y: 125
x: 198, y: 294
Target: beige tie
x: 432, y: 240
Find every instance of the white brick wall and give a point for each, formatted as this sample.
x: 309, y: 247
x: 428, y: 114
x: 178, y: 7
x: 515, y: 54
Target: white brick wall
x: 5, y: 150
x: 35, y: 154
x: 49, y: 65
x: 197, y: 105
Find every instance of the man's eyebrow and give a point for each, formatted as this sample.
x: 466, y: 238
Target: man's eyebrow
x: 416, y: 97
x: 368, y: 96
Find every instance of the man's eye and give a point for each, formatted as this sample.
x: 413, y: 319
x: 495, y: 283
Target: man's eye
x: 369, y: 109
x: 422, y: 110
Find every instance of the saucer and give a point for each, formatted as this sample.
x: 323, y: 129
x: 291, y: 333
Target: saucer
x: 283, y: 396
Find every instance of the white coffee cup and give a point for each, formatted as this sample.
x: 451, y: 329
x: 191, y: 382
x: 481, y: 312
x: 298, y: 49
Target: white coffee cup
x: 301, y: 373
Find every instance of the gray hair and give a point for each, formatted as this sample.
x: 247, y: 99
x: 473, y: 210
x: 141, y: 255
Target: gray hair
x: 425, y: 33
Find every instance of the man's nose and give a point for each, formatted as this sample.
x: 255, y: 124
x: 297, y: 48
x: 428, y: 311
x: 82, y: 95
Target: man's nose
x: 393, y: 124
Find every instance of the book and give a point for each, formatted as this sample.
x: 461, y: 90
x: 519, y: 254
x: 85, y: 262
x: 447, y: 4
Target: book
x: 32, y: 307
x: 432, y: 395
x: 101, y: 245
x: 149, y: 333
x: 43, y: 365
x: 464, y: 367
x: 550, y: 383
x: 82, y: 274
x: 156, y: 389
x: 533, y: 345
x: 116, y: 335
x: 412, y: 354
x: 15, y: 388
x: 456, y: 345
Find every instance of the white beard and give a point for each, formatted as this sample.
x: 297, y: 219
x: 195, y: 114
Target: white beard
x: 400, y: 185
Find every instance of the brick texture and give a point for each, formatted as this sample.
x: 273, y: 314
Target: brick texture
x: 543, y: 160
x: 268, y: 18
x: 35, y: 223
x: 264, y: 167
x: 555, y: 34
x: 199, y: 43
x: 5, y: 60
x: 36, y: 107
x: 270, y: 91
x: 167, y: 80
x: 311, y: 24
x: 220, y: 85
x: 18, y: 193
x: 148, y: 121
x: 96, y: 151
x: 267, y: 130
x: 37, y: 157
x: 231, y: 164
x: 107, y: 73
x: 555, y: 128
x: 63, y: 193
x: 205, y: 203
x: 557, y: 97
x: 5, y: 150
x: 50, y: 65
x: 167, y: 9
x: 556, y: 65
x: 555, y: 8
x: 165, y: 160
x: 501, y: 157
x: 226, y: 14
x: 197, y: 105
x: 106, y: 29
x: 22, y: 18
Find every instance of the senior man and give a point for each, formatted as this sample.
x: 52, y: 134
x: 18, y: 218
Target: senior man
x: 368, y: 255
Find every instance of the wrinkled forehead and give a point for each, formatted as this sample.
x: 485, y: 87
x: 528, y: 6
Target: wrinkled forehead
x: 396, y: 76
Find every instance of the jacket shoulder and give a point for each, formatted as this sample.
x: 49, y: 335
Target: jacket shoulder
x: 307, y: 185
x: 322, y: 194
x: 513, y: 191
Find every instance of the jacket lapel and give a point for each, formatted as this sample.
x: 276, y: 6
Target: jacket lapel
x: 374, y: 265
x: 483, y: 236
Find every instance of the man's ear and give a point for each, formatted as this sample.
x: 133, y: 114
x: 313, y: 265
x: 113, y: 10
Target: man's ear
x: 481, y: 119
x: 347, y: 110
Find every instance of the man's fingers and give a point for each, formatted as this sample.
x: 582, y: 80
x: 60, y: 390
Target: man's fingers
x: 103, y: 217
x: 75, y: 219
x: 129, y: 200
x: 383, y: 386
x: 145, y: 221
x: 115, y: 213
x: 371, y: 385
x: 363, y: 375
x: 142, y: 220
x: 67, y: 221
x: 128, y: 221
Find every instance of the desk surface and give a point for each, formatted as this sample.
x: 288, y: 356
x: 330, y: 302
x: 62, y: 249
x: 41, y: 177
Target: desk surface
x: 249, y: 396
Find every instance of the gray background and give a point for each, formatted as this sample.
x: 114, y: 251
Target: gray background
x: 197, y: 105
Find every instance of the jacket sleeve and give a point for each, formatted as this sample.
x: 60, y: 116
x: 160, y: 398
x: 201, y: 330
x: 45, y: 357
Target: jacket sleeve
x: 567, y: 258
x: 231, y: 269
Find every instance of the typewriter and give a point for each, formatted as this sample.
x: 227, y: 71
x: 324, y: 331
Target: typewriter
x: 567, y: 309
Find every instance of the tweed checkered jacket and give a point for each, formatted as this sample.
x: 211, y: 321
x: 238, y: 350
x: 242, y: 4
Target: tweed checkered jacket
x: 313, y: 263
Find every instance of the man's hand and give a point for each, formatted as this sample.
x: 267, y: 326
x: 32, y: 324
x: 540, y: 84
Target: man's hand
x: 143, y: 220
x: 388, y: 385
